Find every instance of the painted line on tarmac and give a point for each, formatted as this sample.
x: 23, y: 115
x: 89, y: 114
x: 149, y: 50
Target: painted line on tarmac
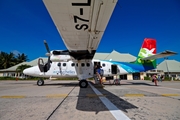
x: 170, y: 94
x: 118, y: 114
x: 16, y: 96
x: 134, y: 95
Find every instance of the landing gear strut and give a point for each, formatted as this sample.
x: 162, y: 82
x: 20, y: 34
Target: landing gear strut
x: 40, y: 82
x: 83, y: 84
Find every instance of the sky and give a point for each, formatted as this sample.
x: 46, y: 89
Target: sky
x: 24, y: 24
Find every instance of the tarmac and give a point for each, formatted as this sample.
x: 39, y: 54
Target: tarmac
x: 65, y: 100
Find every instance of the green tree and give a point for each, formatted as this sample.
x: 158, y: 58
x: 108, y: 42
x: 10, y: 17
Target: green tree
x: 21, y: 58
x: 7, y: 60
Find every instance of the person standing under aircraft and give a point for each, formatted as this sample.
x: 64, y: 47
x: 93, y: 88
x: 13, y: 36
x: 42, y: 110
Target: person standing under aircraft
x: 155, y: 79
x: 162, y: 78
x: 99, y: 73
x: 159, y: 78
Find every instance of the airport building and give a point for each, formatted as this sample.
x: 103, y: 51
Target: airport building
x: 169, y: 68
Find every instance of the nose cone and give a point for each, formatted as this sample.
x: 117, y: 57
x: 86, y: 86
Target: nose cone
x: 29, y: 71
x: 32, y: 71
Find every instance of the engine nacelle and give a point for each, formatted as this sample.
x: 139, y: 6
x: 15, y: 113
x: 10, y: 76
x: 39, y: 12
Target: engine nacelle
x: 60, y: 58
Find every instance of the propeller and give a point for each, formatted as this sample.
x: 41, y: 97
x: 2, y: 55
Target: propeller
x: 47, y: 64
x: 45, y: 67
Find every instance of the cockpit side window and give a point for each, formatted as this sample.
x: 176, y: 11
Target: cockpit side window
x: 72, y: 64
x: 103, y: 64
x: 64, y: 64
x: 82, y: 64
x: 87, y: 64
x: 59, y: 64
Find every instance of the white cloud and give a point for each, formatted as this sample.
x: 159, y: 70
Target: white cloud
x: 15, y: 52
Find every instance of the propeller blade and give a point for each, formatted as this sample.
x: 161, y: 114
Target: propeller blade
x: 46, y: 45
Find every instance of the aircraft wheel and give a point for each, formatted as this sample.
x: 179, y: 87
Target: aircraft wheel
x: 40, y: 82
x: 83, y: 84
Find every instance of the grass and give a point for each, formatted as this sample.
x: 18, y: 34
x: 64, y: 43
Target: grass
x: 13, y: 78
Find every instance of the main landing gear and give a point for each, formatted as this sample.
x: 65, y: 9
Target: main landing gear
x: 83, y: 84
x: 40, y: 82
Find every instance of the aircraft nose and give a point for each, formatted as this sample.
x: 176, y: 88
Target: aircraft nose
x: 28, y: 71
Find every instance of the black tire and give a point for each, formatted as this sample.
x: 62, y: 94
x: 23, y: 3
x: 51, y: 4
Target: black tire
x: 83, y: 84
x: 40, y: 82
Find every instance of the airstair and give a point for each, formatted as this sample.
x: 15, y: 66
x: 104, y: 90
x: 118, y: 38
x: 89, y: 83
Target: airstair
x: 97, y: 78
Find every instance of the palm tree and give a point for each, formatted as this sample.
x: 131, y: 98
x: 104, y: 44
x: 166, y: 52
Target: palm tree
x: 6, y: 60
x: 21, y: 58
x: 9, y: 60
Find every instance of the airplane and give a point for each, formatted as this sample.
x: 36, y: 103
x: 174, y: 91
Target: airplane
x: 81, y: 24
x: 64, y: 66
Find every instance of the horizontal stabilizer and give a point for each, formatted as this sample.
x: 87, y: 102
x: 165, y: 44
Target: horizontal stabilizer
x: 160, y: 55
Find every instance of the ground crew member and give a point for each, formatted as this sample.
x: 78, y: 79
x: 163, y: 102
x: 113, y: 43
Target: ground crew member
x: 155, y: 79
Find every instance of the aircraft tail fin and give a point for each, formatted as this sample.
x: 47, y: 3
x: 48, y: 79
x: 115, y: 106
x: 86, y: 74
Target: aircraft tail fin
x: 148, y: 49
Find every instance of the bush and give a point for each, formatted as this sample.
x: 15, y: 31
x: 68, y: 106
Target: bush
x: 167, y: 79
x: 147, y: 78
x: 14, y: 78
x: 7, y: 78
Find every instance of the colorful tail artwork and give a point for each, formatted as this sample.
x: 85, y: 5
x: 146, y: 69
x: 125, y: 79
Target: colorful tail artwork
x: 148, y: 48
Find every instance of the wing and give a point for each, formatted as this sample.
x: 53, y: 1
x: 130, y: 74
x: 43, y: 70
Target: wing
x: 160, y: 55
x: 81, y: 23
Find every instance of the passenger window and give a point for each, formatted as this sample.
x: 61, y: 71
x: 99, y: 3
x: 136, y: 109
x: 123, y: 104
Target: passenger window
x: 82, y: 64
x: 64, y: 64
x: 73, y: 64
x: 87, y: 64
x: 59, y: 64
x: 103, y: 64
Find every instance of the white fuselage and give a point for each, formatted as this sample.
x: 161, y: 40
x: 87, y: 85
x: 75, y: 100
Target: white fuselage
x: 82, y: 69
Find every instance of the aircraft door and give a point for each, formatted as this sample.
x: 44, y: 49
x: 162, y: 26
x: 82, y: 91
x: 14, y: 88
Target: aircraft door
x: 114, y: 69
x: 86, y: 68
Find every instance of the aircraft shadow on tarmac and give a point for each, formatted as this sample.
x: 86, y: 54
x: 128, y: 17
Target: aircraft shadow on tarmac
x: 70, y: 84
x: 93, y: 103
x: 66, y: 84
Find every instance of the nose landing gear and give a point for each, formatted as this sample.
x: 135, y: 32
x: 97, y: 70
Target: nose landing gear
x: 40, y: 82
